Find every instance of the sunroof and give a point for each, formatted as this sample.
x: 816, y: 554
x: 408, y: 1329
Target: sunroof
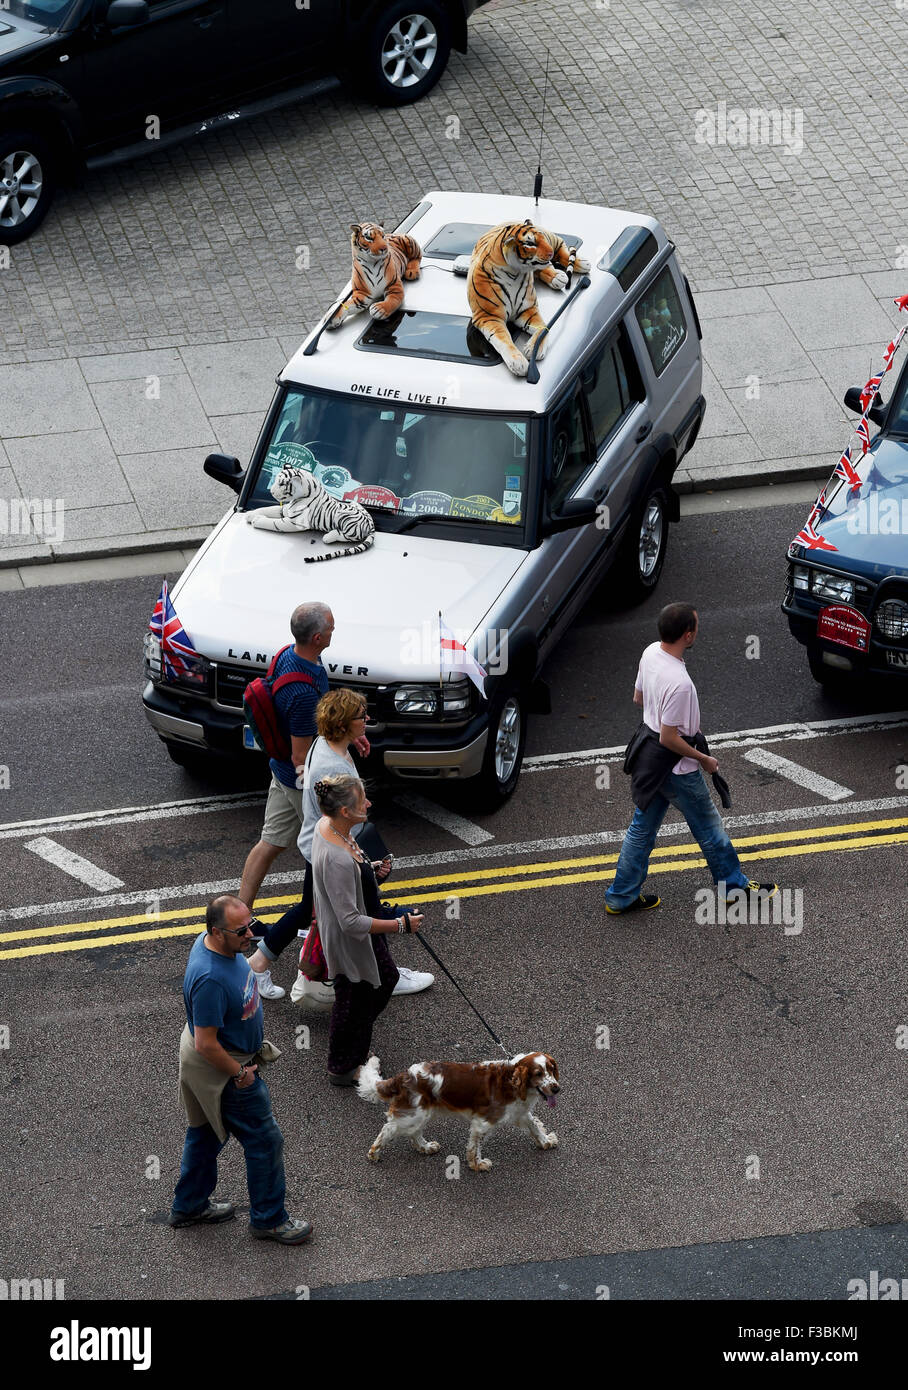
x: 421, y: 333
x: 458, y: 239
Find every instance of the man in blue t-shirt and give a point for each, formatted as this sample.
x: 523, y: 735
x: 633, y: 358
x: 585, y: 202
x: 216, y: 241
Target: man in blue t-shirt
x: 220, y: 1086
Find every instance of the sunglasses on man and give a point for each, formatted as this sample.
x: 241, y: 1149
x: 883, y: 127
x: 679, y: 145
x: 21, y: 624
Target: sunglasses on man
x: 250, y: 926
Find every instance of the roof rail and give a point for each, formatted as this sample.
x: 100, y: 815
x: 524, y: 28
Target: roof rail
x: 533, y: 371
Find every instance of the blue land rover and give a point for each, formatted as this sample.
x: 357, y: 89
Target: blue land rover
x: 847, y: 593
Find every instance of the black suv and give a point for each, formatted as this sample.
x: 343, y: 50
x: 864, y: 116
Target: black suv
x: 80, y: 79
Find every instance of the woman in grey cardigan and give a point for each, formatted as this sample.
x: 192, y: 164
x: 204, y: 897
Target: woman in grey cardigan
x: 351, y: 926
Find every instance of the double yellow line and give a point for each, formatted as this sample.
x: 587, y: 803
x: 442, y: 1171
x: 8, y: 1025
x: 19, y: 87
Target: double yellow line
x: 472, y: 883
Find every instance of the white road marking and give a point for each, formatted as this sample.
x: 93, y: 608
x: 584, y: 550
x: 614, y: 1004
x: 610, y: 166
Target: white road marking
x: 74, y: 864
x: 122, y: 815
x: 544, y: 762
x: 596, y: 839
x: 740, y: 738
x: 803, y: 776
x: 455, y: 825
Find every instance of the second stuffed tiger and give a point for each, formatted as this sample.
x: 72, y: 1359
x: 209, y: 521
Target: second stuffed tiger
x: 501, y: 286
x: 380, y: 265
x: 305, y: 505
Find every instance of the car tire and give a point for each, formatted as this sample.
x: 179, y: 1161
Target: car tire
x: 504, y: 751
x: 195, y: 760
x: 423, y: 22
x: 834, y: 681
x: 638, y: 565
x: 23, y: 151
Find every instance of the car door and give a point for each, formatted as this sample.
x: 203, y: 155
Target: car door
x: 275, y: 39
x: 565, y: 556
x: 621, y: 428
x: 171, y: 67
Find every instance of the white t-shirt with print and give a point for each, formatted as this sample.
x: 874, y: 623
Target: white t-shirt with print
x: 669, y: 697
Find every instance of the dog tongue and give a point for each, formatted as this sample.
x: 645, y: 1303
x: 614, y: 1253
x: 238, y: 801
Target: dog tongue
x: 550, y: 1100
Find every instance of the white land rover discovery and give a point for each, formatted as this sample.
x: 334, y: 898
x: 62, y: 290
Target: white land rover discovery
x: 498, y: 501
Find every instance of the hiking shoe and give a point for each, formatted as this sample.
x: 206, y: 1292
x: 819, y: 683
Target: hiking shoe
x: 214, y: 1212
x: 291, y: 1232
x: 267, y: 988
x: 764, y: 890
x: 412, y: 981
x: 643, y: 904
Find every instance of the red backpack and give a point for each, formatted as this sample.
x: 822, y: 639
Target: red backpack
x: 261, y: 714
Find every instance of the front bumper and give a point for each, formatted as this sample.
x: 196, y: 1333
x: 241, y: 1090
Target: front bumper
x: 803, y: 613
x: 420, y: 754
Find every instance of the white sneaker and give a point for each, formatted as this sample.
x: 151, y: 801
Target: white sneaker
x: 267, y: 988
x: 412, y: 981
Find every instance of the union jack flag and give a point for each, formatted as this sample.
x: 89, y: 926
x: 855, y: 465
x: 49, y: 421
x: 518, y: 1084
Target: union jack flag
x: 178, y: 655
x: 901, y: 302
x: 809, y: 538
x: 863, y: 433
x: 845, y: 470
x: 893, y: 347
x: 870, y: 390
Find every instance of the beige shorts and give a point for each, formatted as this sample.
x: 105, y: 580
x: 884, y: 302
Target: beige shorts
x: 283, y: 814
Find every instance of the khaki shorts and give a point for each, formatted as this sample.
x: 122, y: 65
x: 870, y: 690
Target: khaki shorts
x: 283, y: 814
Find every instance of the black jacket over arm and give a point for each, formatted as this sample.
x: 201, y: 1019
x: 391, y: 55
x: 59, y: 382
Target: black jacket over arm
x: 648, y: 762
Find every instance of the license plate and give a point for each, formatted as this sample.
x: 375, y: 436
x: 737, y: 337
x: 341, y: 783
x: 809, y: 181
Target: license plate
x: 897, y: 659
x: 248, y: 741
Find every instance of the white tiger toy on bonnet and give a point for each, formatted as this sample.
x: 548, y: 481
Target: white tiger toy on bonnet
x: 305, y: 505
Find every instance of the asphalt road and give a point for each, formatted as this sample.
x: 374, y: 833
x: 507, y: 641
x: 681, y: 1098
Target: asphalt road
x: 752, y: 1087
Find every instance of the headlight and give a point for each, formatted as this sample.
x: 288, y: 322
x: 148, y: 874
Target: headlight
x: 826, y: 585
x: 152, y: 657
x: 456, y: 696
x: 800, y: 578
x: 892, y: 618
x: 416, y: 699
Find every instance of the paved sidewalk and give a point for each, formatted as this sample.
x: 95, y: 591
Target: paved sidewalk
x: 144, y: 325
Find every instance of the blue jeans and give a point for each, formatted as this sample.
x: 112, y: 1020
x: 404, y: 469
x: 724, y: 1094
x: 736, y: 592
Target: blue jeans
x: 247, y: 1115
x: 689, y: 793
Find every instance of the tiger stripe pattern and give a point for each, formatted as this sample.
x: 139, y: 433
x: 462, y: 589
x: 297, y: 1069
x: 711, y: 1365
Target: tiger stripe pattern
x: 305, y: 505
x: 380, y: 266
x: 501, y: 286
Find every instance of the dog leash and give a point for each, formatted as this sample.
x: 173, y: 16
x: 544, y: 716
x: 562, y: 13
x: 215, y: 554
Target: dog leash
x: 490, y: 1031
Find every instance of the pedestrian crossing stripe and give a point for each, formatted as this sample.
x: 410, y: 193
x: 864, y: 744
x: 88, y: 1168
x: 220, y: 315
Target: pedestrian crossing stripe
x: 476, y: 883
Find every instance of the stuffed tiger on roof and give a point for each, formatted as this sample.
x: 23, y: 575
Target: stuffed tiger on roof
x: 501, y: 287
x: 380, y: 265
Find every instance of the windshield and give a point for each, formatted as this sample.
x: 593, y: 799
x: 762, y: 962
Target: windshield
x: 50, y: 14
x: 402, y: 462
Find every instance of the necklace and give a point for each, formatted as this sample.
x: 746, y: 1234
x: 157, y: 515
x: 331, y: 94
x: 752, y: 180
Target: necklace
x: 347, y: 840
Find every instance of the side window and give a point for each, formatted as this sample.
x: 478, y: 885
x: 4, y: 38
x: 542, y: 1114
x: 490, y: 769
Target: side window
x: 569, y: 457
x: 661, y: 320
x: 612, y: 384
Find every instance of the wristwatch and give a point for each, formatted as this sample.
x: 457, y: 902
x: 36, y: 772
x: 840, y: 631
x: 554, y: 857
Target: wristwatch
x: 241, y: 1073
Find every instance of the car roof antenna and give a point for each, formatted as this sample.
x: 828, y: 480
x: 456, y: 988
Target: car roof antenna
x: 537, y: 182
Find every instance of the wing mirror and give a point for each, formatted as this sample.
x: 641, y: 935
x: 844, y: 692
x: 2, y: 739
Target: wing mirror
x: 122, y: 14
x: 577, y: 511
x: 877, y: 412
x: 225, y: 469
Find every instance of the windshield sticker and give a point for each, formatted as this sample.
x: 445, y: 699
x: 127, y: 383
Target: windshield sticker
x: 512, y: 482
x: 374, y: 496
x: 291, y: 455
x: 423, y: 502
x: 510, y: 503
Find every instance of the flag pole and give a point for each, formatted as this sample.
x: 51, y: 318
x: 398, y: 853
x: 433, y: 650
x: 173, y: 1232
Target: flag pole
x: 441, y: 682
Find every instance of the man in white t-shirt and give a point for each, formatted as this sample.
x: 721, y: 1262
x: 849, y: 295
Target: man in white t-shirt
x: 671, y: 710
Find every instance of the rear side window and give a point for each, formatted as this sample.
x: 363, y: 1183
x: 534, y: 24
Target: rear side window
x: 661, y: 320
x: 610, y: 387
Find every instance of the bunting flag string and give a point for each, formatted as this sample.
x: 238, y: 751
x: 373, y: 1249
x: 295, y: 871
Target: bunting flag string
x: 845, y: 470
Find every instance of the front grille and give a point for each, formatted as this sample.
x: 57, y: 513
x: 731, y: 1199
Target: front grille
x: 370, y: 693
x: 231, y: 681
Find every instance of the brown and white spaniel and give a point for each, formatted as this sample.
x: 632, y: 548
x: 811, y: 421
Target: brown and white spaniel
x: 487, y: 1093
